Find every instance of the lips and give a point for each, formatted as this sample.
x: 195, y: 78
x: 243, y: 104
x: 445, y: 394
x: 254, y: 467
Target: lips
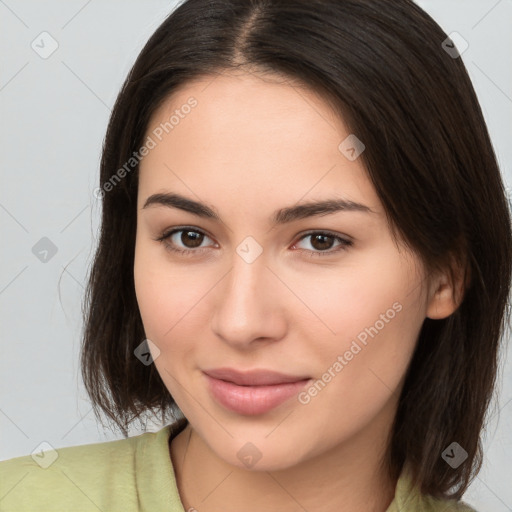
x: 253, y: 377
x: 253, y: 392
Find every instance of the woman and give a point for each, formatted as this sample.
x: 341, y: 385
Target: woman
x: 304, y: 263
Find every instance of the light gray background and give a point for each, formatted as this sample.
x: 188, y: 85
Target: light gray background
x: 54, y: 113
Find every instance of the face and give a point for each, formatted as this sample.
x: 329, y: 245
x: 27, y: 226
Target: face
x: 325, y: 307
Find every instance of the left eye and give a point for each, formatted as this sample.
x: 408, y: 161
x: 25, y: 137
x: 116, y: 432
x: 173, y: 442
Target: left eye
x: 322, y: 242
x: 192, y: 238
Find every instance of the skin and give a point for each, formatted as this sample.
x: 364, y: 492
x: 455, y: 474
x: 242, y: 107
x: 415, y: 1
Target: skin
x: 252, y: 145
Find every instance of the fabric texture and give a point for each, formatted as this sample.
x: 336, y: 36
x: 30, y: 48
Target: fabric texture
x: 128, y: 475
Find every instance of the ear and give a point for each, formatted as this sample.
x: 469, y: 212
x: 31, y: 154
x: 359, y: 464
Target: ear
x: 446, y: 291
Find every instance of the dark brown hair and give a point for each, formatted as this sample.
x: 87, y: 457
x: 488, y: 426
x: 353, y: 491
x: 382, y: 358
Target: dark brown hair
x: 382, y: 66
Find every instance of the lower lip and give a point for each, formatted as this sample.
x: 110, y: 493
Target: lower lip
x: 252, y: 400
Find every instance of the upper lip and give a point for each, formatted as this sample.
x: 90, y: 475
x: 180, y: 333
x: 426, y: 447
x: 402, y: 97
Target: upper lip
x: 253, y: 377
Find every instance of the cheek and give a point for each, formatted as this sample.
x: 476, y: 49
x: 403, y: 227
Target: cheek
x: 374, y: 291
x: 167, y: 294
x: 376, y: 313
x: 166, y: 297
x: 372, y: 314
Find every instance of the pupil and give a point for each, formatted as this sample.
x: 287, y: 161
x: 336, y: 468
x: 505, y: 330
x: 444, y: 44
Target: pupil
x: 193, y: 236
x: 196, y: 239
x: 323, y: 245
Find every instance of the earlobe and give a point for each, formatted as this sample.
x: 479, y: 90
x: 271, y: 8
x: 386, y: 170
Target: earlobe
x: 446, y: 295
x: 442, y: 304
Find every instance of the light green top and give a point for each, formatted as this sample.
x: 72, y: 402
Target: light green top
x: 132, y: 474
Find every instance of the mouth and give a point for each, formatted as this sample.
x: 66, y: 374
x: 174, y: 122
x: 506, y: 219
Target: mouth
x: 253, y: 392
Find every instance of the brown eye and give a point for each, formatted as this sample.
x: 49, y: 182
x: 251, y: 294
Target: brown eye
x: 185, y: 241
x: 322, y: 242
x: 191, y: 239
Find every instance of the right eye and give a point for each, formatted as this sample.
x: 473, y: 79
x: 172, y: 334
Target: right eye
x: 190, y: 238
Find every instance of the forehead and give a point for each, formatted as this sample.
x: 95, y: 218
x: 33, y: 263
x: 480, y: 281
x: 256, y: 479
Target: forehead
x: 252, y: 137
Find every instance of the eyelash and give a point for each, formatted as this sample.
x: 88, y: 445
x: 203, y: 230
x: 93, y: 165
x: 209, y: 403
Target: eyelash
x: 344, y: 244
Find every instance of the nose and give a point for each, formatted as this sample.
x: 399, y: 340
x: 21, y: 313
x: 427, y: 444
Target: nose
x: 249, y: 305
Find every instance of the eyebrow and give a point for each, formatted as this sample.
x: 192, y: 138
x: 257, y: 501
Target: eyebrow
x: 281, y: 216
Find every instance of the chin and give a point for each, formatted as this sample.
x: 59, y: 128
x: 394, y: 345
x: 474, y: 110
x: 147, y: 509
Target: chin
x: 260, y: 454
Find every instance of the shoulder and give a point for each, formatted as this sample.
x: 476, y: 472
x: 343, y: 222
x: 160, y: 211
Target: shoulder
x: 105, y: 476
x: 408, y: 498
